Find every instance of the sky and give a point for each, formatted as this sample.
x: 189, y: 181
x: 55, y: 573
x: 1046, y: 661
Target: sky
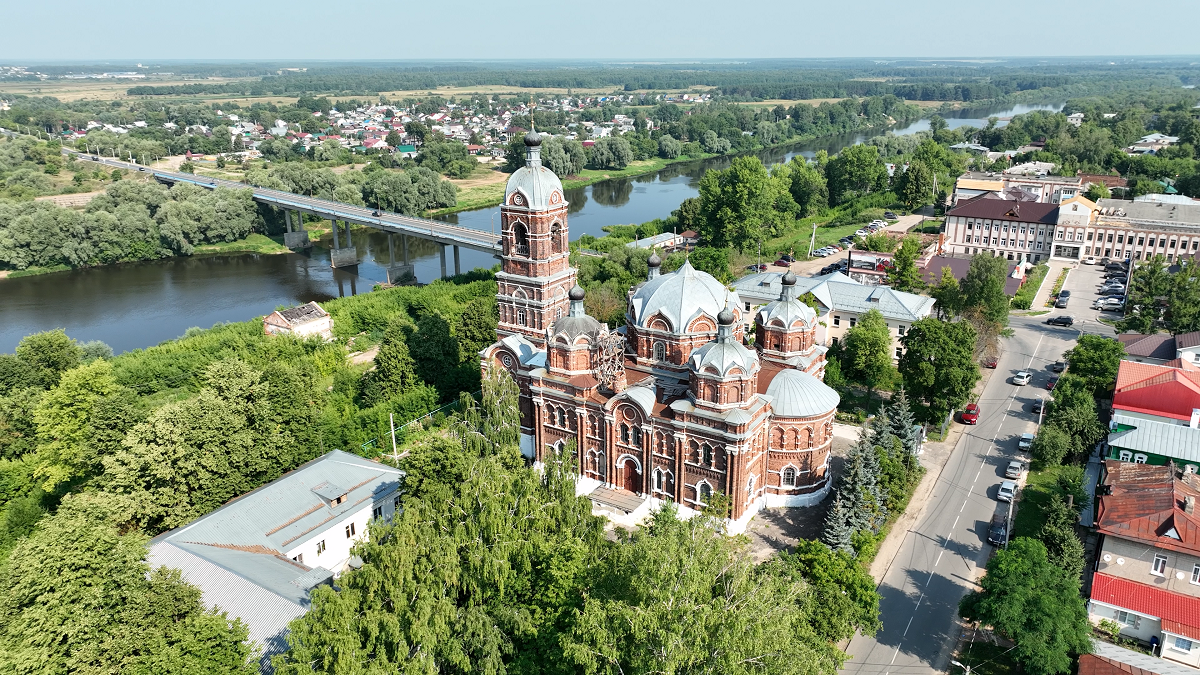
x: 75, y: 31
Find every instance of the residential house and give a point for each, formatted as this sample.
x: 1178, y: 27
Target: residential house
x: 303, y: 321
x: 1147, y: 576
x: 1161, y: 348
x: 1146, y: 441
x: 1168, y: 394
x: 840, y: 301
x: 258, y: 557
x: 1075, y: 119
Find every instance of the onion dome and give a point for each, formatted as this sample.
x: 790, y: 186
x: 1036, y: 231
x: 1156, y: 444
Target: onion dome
x: 795, y: 393
x: 725, y: 317
x: 680, y: 297
x: 654, y: 262
x: 533, y: 139
x: 789, y: 279
x: 576, y: 294
x: 576, y: 322
x: 721, y: 357
x: 539, y: 187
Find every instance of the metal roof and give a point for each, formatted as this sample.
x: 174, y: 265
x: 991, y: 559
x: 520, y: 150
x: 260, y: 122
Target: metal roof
x: 1161, y: 438
x: 1136, y: 663
x: 1182, y: 611
x: 680, y: 297
x: 795, y: 393
x: 838, y: 292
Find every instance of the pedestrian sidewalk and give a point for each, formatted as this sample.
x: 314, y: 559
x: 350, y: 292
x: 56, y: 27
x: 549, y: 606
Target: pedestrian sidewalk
x: 1043, y: 294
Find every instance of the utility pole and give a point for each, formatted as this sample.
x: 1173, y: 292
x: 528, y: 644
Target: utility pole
x: 813, y: 241
x: 1041, y: 411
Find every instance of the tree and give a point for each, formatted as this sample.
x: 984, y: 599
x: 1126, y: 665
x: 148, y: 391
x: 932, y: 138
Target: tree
x: 681, y: 596
x: 742, y: 204
x: 395, y: 370
x: 838, y: 532
x: 1097, y: 191
x: 1034, y: 603
x: 612, y: 152
x: 904, y: 275
x: 713, y: 260
x: 394, y: 139
x: 435, y: 351
x: 1096, y: 359
x: 1063, y: 547
x: 1149, y: 289
x: 50, y: 352
x: 1183, y: 301
x: 855, y: 171
x: 476, y: 327
x: 915, y: 186
x: 983, y: 286
x: 1051, y: 446
x: 903, y: 423
x: 868, y: 351
x: 842, y: 598
x: 87, y: 578
x: 1074, y: 411
x: 563, y: 157
x: 938, y: 364
x: 947, y: 295
x: 807, y: 187
x: 669, y: 147
x: 16, y: 373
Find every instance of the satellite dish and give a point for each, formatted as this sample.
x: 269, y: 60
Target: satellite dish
x: 1107, y: 557
x: 1120, y: 561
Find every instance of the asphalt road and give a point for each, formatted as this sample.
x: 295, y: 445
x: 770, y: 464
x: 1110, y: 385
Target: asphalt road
x: 944, y: 555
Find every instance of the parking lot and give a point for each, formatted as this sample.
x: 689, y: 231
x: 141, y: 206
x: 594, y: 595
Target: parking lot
x: 1084, y: 281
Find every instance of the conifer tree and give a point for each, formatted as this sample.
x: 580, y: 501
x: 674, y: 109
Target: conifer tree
x: 860, y: 485
x: 838, y: 531
x: 395, y: 371
x: 903, y: 422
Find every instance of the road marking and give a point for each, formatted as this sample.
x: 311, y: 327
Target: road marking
x: 955, y: 524
x: 894, y: 655
x: 960, y: 509
x: 930, y: 577
x: 939, y: 558
x: 977, y: 475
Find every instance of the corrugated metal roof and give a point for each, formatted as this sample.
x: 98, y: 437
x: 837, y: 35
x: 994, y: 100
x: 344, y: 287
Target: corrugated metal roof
x: 1160, y: 438
x: 838, y: 292
x: 1147, y: 503
x: 972, y: 184
x: 1138, y: 663
x: 1163, y: 391
x: 1183, y: 611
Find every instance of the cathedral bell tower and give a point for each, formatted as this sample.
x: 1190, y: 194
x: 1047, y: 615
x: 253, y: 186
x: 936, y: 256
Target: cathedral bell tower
x: 536, y: 275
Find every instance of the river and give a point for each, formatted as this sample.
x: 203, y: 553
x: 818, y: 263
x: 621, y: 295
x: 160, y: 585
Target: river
x: 141, y: 304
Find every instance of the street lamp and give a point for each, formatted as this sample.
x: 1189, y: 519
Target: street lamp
x: 965, y: 668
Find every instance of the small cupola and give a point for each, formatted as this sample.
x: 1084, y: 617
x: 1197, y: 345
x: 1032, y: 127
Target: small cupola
x: 654, y: 263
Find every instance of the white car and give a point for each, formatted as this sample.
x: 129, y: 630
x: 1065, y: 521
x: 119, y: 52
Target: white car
x: 862, y: 233
x: 1089, y: 260
x: 1007, y: 491
x: 879, y: 223
x: 1022, y: 378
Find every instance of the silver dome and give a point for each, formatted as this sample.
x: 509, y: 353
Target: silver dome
x: 788, y: 312
x: 680, y: 297
x: 720, y: 357
x: 537, y: 184
x: 795, y: 393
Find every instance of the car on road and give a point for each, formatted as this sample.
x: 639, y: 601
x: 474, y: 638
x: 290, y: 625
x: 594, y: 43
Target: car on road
x: 1050, y: 383
x: 1061, y: 302
x: 1014, y: 469
x: 970, y: 414
x: 991, y: 362
x: 1024, y: 443
x: 1007, y: 491
x: 1022, y: 378
x: 757, y: 268
x: 1058, y: 366
x: 1089, y: 260
x: 1063, y: 320
x: 782, y: 263
x: 998, y: 529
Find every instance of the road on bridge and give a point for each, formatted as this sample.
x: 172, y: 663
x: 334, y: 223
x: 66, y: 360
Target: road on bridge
x: 943, y: 556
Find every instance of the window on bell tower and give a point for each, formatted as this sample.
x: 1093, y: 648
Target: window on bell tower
x: 521, y: 239
x: 521, y: 317
x: 556, y: 239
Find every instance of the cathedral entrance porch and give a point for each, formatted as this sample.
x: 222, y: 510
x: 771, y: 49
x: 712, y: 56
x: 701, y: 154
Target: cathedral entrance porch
x: 620, y: 506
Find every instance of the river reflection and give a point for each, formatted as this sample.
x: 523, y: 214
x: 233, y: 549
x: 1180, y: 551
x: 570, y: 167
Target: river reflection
x: 137, y: 305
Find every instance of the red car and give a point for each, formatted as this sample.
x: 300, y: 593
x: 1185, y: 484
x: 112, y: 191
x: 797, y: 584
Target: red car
x: 782, y: 263
x: 1053, y: 381
x: 970, y: 414
x: 991, y: 363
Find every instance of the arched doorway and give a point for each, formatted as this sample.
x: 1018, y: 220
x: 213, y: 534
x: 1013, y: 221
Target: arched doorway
x: 631, y: 476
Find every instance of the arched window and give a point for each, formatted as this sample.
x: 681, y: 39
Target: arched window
x: 706, y: 456
x: 637, y: 437
x: 750, y: 485
x: 624, y: 433
x: 521, y: 317
x: 660, y: 351
x: 556, y: 243
x: 660, y: 479
x: 789, y: 477
x: 562, y: 417
x: 521, y: 239
x: 716, y: 394
x: 705, y: 492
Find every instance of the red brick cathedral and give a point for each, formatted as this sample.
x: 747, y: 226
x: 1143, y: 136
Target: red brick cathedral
x: 673, y: 406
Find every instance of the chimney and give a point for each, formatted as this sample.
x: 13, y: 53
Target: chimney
x: 1189, y: 504
x: 1195, y: 421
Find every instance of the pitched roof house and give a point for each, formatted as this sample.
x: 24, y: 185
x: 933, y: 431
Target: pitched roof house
x: 1148, y: 566
x: 1165, y: 393
x: 302, y: 321
x: 259, y: 556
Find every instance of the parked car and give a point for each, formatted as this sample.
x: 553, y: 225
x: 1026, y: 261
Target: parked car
x: 1063, y: 320
x: 1050, y: 384
x: 880, y: 223
x: 757, y: 268
x: 1024, y: 443
x: 787, y: 258
x: 1115, y: 266
x: 1006, y: 491
x: 1058, y: 366
x: 1089, y: 260
x: 1113, y: 303
x: 782, y: 263
x: 1014, y: 469
x: 1022, y: 378
x: 862, y: 233
x: 889, y: 215
x: 1061, y: 302
x: 1112, y: 290
x: 991, y: 362
x: 998, y: 529
x: 1039, y: 406
x: 970, y: 414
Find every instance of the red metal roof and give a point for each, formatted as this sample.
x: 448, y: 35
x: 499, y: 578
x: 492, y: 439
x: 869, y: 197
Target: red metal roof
x: 1090, y: 664
x: 1147, y: 503
x: 1180, y: 613
x: 1158, y: 390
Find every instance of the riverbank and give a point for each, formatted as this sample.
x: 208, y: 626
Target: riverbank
x: 255, y: 243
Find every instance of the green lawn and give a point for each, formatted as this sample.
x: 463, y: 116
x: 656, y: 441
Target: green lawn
x: 1040, y: 486
x: 255, y: 243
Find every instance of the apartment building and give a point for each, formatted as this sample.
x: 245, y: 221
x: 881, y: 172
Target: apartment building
x: 1038, y: 186
x: 1147, y: 576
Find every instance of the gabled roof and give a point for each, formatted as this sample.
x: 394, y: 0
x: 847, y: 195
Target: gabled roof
x: 838, y: 292
x: 1160, y: 438
x: 1157, y: 346
x: 1148, y: 503
x: 1180, y: 613
x: 996, y: 209
x: 1162, y: 391
x: 1187, y: 340
x: 1131, y: 662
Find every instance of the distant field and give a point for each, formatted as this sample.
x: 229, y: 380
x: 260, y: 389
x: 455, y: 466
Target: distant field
x: 103, y: 90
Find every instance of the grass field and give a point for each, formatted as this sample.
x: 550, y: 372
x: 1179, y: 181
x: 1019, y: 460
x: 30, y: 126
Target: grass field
x: 1040, y: 486
x: 255, y: 243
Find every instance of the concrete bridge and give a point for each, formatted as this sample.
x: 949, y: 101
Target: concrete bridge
x: 343, y: 254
